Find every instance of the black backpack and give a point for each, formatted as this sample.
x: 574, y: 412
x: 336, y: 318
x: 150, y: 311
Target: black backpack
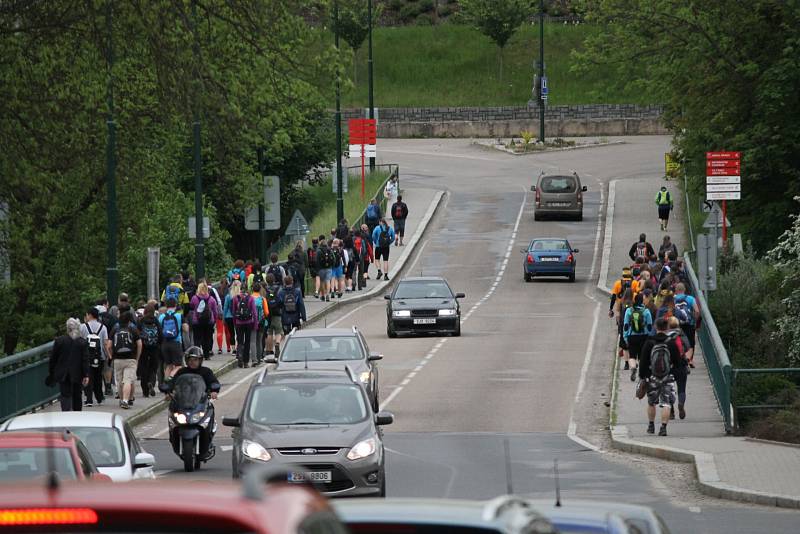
x: 123, y: 343
x: 275, y: 271
x: 273, y: 303
x: 150, y: 334
x: 204, y: 311
x: 660, y: 360
x: 383, y: 239
x: 326, y: 258
x: 243, y: 311
x: 290, y: 301
x: 258, y: 278
x: 93, y: 342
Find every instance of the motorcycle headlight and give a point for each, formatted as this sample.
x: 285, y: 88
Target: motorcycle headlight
x: 364, y: 377
x: 401, y: 313
x: 180, y: 418
x: 362, y: 449
x: 254, y: 450
x: 448, y: 312
x: 197, y: 417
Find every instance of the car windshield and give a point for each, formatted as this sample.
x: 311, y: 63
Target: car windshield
x: 549, y: 244
x: 104, y: 444
x: 434, y: 289
x: 322, y: 348
x: 307, y: 404
x: 558, y: 184
x: 26, y: 463
x: 188, y: 391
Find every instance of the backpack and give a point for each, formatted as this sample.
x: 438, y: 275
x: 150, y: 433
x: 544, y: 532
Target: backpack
x: 641, y: 250
x: 258, y: 278
x: 273, y: 303
x: 108, y: 320
x: 290, y: 301
x: 243, y: 311
x: 203, y: 312
x: 637, y: 321
x: 383, y: 239
x: 682, y: 312
x: 312, y: 256
x: 341, y: 231
x: 237, y: 274
x: 93, y: 341
x: 326, y: 259
x: 625, y: 283
x: 372, y: 212
x: 660, y: 360
x: 398, y: 211
x: 170, y: 327
x: 123, y: 342
x: 260, y: 308
x: 358, y: 243
x: 275, y: 270
x: 150, y: 334
x: 172, y: 292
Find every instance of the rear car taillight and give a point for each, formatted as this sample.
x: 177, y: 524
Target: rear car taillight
x: 530, y: 258
x: 570, y: 258
x: 47, y: 516
x: 580, y: 197
x: 538, y: 197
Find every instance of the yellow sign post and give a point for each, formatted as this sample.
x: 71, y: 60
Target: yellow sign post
x: 671, y: 166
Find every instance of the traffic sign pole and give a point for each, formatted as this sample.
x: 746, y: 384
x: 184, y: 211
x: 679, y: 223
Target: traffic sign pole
x: 363, y: 186
x: 724, y: 226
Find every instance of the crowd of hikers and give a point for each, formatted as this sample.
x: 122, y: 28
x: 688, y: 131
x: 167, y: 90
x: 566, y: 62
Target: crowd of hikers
x: 657, y: 320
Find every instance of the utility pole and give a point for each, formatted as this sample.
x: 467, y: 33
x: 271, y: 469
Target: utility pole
x: 262, y: 234
x: 541, y: 70
x: 369, y: 75
x: 112, y: 274
x: 199, y: 246
x: 339, y: 185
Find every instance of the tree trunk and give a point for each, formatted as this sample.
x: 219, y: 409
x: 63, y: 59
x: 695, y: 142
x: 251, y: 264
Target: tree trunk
x: 501, y: 64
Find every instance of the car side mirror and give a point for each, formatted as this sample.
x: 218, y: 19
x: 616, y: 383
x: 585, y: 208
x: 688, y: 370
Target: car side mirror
x: 387, y: 296
x: 231, y: 421
x: 144, y: 459
x: 460, y: 295
x: 273, y: 361
x: 101, y: 477
x: 164, y: 388
x: 583, y: 188
x: 575, y: 250
x: 384, y: 418
x: 533, y: 188
x: 374, y: 357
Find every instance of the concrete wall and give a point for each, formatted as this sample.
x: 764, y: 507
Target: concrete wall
x: 560, y: 121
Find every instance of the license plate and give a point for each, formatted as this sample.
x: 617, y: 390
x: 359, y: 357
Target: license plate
x: 559, y: 204
x: 550, y: 259
x: 432, y: 320
x: 310, y: 476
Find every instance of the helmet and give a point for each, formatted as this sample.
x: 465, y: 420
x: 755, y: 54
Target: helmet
x: 193, y: 352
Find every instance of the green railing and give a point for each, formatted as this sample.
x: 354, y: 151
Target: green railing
x: 714, y: 352
x: 22, y: 377
x: 736, y: 378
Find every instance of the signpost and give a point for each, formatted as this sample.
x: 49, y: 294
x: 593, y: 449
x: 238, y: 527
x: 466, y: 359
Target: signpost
x: 363, y: 134
x: 298, y: 225
x: 272, y: 207
x: 670, y: 165
x: 724, y: 181
x: 193, y: 228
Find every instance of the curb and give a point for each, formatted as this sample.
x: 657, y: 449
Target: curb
x: 548, y: 150
x: 150, y: 411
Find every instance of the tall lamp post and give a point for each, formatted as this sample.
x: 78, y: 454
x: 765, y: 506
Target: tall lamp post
x: 112, y: 274
x: 369, y: 75
x: 541, y: 70
x: 199, y: 245
x: 339, y: 186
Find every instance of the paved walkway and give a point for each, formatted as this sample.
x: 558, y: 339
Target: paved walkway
x: 727, y: 466
x: 422, y: 204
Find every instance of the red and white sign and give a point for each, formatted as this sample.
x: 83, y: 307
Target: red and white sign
x: 363, y: 141
x: 729, y: 195
x: 723, y: 180
x: 723, y: 155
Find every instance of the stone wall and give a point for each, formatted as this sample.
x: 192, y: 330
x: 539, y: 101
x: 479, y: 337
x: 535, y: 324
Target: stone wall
x: 561, y: 121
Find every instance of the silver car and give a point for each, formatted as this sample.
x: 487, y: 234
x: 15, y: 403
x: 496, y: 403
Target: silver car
x: 558, y: 194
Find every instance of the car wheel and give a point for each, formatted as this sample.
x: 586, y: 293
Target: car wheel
x: 390, y: 330
x: 528, y: 277
x: 457, y: 331
x: 536, y: 216
x: 579, y: 217
x: 572, y: 277
x: 383, y: 485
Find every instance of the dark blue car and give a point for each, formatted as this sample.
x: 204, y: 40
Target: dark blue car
x: 549, y: 257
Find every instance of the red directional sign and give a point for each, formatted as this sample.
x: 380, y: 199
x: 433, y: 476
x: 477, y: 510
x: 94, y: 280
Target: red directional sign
x: 717, y: 163
x: 723, y: 155
x: 723, y: 171
x: 363, y: 131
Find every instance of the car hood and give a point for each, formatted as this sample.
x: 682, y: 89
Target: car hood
x: 357, y: 366
x: 342, y: 436
x: 416, y: 304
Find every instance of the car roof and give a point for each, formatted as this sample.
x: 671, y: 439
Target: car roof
x: 62, y: 419
x: 624, y: 510
x: 318, y: 332
x: 37, y: 439
x: 305, y: 376
x: 549, y: 239
x: 218, y: 506
x: 423, y: 279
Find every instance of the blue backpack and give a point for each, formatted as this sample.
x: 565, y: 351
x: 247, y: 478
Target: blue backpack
x: 372, y: 211
x: 172, y: 292
x: 170, y: 326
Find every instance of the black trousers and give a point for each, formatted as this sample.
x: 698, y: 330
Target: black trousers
x: 95, y: 384
x: 360, y: 269
x: 680, y: 381
x: 148, y: 365
x: 71, y: 396
x: 232, y: 331
x: 243, y: 335
x: 203, y: 336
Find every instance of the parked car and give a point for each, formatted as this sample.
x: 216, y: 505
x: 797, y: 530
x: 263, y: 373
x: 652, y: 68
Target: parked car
x: 549, y: 257
x: 558, y: 194
x: 107, y: 436
x: 332, y: 348
x: 31, y: 455
x: 423, y: 305
x: 317, y: 426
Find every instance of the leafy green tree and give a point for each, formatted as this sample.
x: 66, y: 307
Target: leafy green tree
x: 354, y: 25
x: 496, y: 19
x: 786, y: 256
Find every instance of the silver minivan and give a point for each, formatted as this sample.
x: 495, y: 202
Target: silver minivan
x: 558, y: 194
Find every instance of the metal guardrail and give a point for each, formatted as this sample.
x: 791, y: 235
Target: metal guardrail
x: 714, y: 352
x: 22, y: 376
x: 735, y: 378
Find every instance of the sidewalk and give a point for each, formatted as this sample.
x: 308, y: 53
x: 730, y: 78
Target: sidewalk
x: 728, y: 467
x: 422, y: 204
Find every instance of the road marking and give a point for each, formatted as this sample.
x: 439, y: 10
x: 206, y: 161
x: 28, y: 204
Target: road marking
x: 162, y: 472
x: 601, y: 283
x: 348, y: 314
x: 419, y: 255
x: 695, y: 509
x: 226, y: 448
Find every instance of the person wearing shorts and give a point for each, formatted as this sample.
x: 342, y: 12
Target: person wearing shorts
x: 125, y: 347
x: 382, y: 238
x: 660, y: 391
x: 635, y: 340
x: 399, y: 215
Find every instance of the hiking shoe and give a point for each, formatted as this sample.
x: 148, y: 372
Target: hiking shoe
x: 338, y: 295
x: 681, y: 411
x: 672, y: 412
x: 651, y: 428
x: 386, y: 277
x: 108, y: 391
x: 219, y: 351
x: 327, y: 299
x: 380, y: 273
x: 627, y: 366
x: 633, y: 374
x: 124, y: 405
x: 663, y: 430
x: 88, y: 404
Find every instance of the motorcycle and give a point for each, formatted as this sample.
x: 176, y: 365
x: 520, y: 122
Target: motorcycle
x: 191, y: 420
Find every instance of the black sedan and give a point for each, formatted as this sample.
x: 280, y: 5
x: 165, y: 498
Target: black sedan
x: 423, y: 305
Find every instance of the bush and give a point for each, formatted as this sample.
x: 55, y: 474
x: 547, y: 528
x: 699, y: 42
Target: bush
x: 780, y: 426
x: 396, y: 5
x: 425, y: 19
x: 409, y: 12
x: 425, y: 6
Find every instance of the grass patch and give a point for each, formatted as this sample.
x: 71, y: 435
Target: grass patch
x: 451, y: 65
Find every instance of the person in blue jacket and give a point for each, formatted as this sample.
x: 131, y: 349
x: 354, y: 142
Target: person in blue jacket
x: 293, y: 309
x: 637, y: 326
x: 382, y: 239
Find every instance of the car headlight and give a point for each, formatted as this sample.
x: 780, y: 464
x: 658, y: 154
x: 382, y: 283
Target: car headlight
x: 447, y: 312
x: 180, y: 418
x: 364, y: 377
x: 362, y: 449
x: 254, y: 450
x: 401, y: 313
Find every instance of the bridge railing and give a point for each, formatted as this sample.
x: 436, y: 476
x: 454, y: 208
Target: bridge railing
x: 22, y: 378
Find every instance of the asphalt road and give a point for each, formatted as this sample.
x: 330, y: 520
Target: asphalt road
x: 488, y: 412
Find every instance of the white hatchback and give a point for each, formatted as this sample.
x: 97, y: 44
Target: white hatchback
x: 108, y: 437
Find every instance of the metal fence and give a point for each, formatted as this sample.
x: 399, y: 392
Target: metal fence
x: 737, y: 373
x: 22, y: 377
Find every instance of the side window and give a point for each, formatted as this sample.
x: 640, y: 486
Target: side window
x: 364, y: 343
x: 85, y: 459
x: 322, y: 523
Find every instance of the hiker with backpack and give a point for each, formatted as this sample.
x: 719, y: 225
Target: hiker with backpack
x: 245, y: 319
x: 219, y: 292
x: 665, y: 205
x: 274, y: 268
x: 337, y: 271
x: 688, y: 306
x: 641, y: 249
x: 681, y: 371
x: 96, y: 334
x: 109, y: 321
x: 373, y: 215
x: 399, y: 214
x: 172, y: 330
x: 237, y: 273
x: 382, y: 238
x: 227, y: 314
x: 69, y: 367
x: 659, y: 357
x: 150, y: 360
x: 262, y: 318
x: 125, y: 347
x: 299, y: 260
x: 204, y: 314
x: 274, y: 324
x: 293, y: 309
x: 325, y: 263
x: 637, y: 326
x: 311, y: 263
x: 666, y: 247
x: 256, y: 276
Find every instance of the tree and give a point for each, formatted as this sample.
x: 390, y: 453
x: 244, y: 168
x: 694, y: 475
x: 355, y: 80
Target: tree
x: 786, y: 257
x: 496, y: 19
x: 354, y: 25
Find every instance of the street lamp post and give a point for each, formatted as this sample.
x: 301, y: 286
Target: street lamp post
x: 199, y: 246
x: 369, y: 75
x: 339, y: 186
x: 541, y: 70
x: 112, y: 274
x: 262, y: 233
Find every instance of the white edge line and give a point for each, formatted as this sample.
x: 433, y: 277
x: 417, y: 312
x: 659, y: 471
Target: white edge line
x: 601, y: 283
